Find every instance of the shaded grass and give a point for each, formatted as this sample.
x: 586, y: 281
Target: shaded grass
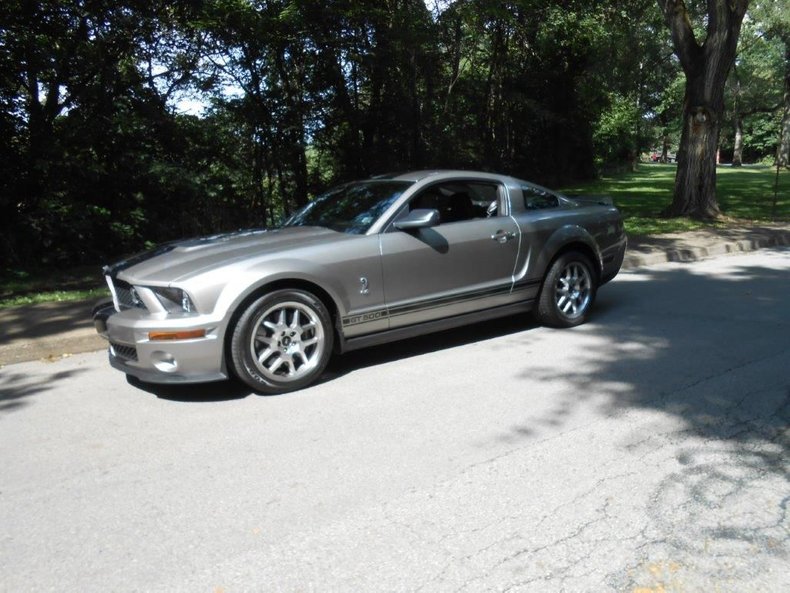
x: 744, y: 194
x: 20, y: 287
x: 54, y: 296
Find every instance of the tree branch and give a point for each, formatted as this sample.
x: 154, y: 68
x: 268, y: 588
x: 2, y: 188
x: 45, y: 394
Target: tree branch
x: 677, y: 19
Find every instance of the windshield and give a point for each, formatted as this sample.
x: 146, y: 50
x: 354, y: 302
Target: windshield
x: 350, y: 208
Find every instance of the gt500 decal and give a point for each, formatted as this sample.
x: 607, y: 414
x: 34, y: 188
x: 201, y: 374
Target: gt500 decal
x: 364, y: 317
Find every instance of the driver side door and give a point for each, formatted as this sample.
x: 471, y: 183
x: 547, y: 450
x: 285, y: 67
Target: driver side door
x: 463, y: 264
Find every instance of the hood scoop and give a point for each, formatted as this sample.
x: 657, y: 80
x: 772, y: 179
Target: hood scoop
x: 191, y: 245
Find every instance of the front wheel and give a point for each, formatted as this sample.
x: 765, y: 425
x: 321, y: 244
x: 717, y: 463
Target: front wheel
x: 282, y: 341
x: 568, y: 291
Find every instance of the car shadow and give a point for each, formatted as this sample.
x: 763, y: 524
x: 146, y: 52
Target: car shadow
x: 231, y: 389
x: 402, y: 349
x: 216, y: 391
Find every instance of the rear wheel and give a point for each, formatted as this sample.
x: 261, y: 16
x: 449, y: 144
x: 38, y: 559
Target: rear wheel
x: 282, y: 341
x: 568, y: 291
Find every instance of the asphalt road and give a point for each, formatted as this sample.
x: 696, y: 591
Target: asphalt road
x: 645, y: 451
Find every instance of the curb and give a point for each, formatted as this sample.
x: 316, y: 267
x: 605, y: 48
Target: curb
x: 691, y: 247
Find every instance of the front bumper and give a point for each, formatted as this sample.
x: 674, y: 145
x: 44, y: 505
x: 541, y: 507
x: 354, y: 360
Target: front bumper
x: 612, y: 258
x: 195, y: 360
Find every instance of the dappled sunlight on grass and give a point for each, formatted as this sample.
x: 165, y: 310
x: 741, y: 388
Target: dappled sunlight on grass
x: 743, y: 193
x: 646, y: 189
x: 27, y: 287
x: 641, y: 225
x: 55, y: 296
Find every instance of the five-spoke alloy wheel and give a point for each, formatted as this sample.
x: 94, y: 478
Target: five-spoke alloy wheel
x: 282, y: 341
x: 568, y: 291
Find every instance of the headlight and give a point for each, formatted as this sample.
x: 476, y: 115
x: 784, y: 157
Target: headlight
x: 174, y: 300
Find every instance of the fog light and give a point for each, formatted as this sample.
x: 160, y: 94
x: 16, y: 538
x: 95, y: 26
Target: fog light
x: 164, y: 361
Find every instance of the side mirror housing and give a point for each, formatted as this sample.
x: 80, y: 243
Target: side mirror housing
x: 419, y: 218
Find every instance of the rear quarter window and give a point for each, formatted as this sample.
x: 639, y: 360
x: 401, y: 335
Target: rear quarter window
x: 536, y: 198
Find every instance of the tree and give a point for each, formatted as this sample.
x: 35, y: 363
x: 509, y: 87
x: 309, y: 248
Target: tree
x: 92, y: 158
x: 706, y: 66
x: 783, y: 151
x: 774, y: 17
x: 754, y: 94
x: 299, y: 95
x: 639, y: 83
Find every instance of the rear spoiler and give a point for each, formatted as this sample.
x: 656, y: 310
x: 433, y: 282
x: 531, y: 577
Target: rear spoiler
x: 590, y: 200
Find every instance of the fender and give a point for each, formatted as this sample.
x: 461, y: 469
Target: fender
x: 561, y: 238
x: 275, y: 272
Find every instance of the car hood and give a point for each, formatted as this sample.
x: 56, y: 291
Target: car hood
x: 179, y: 260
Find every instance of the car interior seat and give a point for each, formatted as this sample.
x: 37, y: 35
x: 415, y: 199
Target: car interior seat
x: 460, y: 207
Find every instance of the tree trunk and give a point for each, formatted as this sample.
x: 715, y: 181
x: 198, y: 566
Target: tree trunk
x: 289, y: 61
x: 737, y: 116
x: 344, y: 105
x: 706, y: 67
x: 259, y: 193
x: 455, y: 75
x: 664, y: 158
x: 695, y: 180
x: 783, y: 150
x: 737, y: 151
x: 299, y: 156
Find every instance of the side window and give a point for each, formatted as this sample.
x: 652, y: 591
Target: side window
x: 536, y: 198
x: 486, y: 198
x: 459, y: 200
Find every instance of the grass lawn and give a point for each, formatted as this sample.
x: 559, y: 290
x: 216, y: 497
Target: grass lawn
x: 744, y: 193
x: 27, y: 288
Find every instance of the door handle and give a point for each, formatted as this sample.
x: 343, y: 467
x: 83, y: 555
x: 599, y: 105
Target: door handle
x: 503, y: 236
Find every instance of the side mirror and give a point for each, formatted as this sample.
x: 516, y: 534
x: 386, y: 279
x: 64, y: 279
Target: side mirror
x: 419, y: 218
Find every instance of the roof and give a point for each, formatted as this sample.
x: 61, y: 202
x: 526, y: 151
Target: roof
x: 423, y: 174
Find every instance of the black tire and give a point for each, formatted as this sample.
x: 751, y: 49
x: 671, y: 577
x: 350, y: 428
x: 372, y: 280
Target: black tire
x: 282, y: 342
x: 568, y: 291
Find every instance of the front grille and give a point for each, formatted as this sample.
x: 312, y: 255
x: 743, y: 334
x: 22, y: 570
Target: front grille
x: 124, y: 352
x: 127, y: 299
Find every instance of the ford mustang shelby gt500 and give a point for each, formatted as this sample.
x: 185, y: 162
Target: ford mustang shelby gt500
x: 366, y: 263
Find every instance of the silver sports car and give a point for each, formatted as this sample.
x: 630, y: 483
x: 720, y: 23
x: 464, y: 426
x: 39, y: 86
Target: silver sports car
x: 368, y: 262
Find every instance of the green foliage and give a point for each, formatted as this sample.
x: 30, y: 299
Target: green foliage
x: 614, y: 137
x: 754, y: 89
x: 298, y: 95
